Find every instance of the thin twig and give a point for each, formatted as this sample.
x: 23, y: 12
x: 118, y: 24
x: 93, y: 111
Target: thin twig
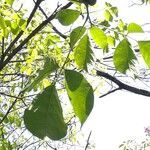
x: 53, y: 27
x: 110, y: 92
x: 87, y: 143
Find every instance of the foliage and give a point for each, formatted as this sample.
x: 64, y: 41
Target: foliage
x: 40, y: 63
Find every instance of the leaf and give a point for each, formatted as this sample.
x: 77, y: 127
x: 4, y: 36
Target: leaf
x: 76, y: 34
x: 45, y: 117
x: 108, y: 15
x: 49, y: 66
x: 83, y: 53
x: 134, y: 28
x: 3, y: 26
x: 99, y: 37
x: 67, y: 16
x: 10, y: 2
x: 114, y: 10
x: 121, y: 25
x: 123, y: 56
x: 145, y: 51
x: 80, y: 93
x: 111, y: 40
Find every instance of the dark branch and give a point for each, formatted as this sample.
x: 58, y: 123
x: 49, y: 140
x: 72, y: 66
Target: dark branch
x: 10, y: 108
x: 87, y: 144
x: 112, y: 91
x: 21, y: 32
x: 33, y: 33
x: 122, y: 85
x: 53, y: 27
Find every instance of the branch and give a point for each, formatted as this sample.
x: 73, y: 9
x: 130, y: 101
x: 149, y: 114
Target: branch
x: 21, y: 32
x: 32, y: 34
x: 112, y: 91
x: 10, y: 108
x: 53, y: 27
x: 12, y: 96
x: 123, y: 85
x: 87, y: 144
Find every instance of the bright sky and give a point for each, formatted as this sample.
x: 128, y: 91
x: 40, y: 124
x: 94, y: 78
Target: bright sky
x: 121, y: 115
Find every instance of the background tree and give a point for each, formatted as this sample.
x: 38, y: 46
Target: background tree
x: 40, y: 63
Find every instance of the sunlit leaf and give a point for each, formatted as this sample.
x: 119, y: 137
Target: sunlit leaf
x: 108, y: 15
x: 121, y: 25
x: 67, y: 16
x: 3, y: 26
x: 114, y: 10
x: 145, y: 51
x: 111, y: 40
x: 49, y: 66
x: 80, y: 93
x: 83, y: 53
x: 10, y: 2
x: 45, y: 117
x: 76, y: 34
x: 134, y: 28
x: 123, y: 56
x: 99, y: 37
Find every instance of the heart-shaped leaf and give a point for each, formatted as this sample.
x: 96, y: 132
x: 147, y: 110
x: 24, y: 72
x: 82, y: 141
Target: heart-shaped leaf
x: 45, y: 117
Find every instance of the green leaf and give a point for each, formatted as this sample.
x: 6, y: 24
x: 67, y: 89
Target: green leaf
x: 114, y: 10
x: 49, y: 66
x: 145, y: 51
x: 108, y: 15
x: 80, y: 93
x: 76, y: 34
x: 123, y: 56
x: 134, y: 28
x: 99, y: 37
x: 10, y: 2
x: 83, y: 53
x: 111, y: 40
x: 3, y: 26
x: 121, y: 25
x: 45, y: 117
x: 108, y: 5
x: 67, y: 16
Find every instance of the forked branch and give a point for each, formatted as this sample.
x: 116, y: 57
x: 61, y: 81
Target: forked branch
x: 122, y: 85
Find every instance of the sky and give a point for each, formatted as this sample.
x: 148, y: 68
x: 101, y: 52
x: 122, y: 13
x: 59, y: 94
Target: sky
x: 122, y: 115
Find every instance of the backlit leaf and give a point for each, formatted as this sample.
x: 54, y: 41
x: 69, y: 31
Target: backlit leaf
x: 134, y: 28
x: 10, y: 2
x: 45, y: 117
x: 114, y: 10
x: 111, y: 40
x: 83, y: 53
x: 108, y: 15
x: 80, y: 93
x: 76, y: 34
x: 67, y: 16
x: 145, y: 51
x: 49, y: 66
x: 123, y: 56
x: 99, y: 37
